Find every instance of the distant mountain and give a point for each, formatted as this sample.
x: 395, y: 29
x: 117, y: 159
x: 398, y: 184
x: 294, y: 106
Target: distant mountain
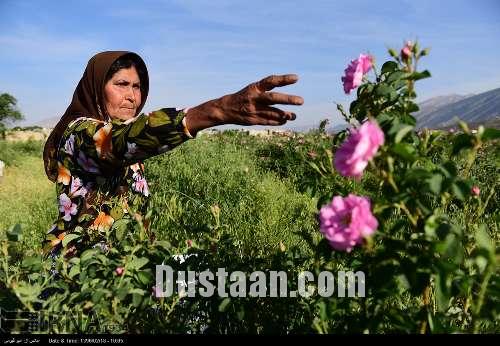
x: 306, y: 128
x: 442, y: 111
x: 47, y: 123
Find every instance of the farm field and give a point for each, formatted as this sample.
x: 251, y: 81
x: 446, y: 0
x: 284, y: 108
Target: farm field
x: 261, y: 197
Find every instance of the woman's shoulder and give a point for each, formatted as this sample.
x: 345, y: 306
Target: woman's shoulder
x: 83, y: 120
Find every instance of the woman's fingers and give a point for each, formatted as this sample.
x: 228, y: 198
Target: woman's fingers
x: 274, y: 98
x: 273, y: 81
x: 275, y: 114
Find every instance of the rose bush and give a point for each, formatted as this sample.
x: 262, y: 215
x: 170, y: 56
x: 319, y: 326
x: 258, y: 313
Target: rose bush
x: 407, y: 208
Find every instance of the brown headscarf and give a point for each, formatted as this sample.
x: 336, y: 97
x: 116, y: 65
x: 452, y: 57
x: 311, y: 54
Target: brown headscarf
x: 88, y: 101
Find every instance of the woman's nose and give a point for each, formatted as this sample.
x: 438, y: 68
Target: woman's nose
x: 130, y: 95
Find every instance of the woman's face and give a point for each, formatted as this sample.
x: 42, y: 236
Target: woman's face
x: 122, y: 94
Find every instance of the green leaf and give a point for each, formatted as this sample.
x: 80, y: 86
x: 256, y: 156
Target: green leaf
x: 442, y: 291
x: 384, y: 90
x: 402, y: 133
x: 490, y: 134
x: 122, y: 293
x: 462, y: 141
x: 419, y: 75
x: 98, y: 295
x: 396, y: 76
x: 116, y: 213
x: 315, y: 167
x: 120, y: 226
x: 34, y: 263
x: 74, y: 271
x: 88, y: 255
x: 435, y: 183
x: 136, y: 299
x: 389, y: 66
x: 431, y: 224
x: 138, y: 291
x: 145, y: 277
x: 223, y: 305
x: 14, y: 233
x: 484, y: 241
x: 69, y: 238
x: 413, y: 107
x: 449, y: 169
x: 460, y: 189
x: 164, y: 244
x: 404, y: 150
x: 137, y: 263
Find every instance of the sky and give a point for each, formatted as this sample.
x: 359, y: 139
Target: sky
x: 198, y: 50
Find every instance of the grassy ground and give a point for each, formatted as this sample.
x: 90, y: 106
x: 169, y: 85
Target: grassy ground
x: 260, y: 209
x: 27, y: 197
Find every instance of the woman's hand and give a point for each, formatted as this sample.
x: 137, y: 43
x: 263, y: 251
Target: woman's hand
x: 249, y: 106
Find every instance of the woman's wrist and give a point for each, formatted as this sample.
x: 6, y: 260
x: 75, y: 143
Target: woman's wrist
x: 202, y: 117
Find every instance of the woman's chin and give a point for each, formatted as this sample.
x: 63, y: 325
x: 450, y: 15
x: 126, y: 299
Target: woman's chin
x: 123, y: 116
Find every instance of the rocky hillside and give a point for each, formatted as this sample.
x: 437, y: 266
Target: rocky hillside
x: 477, y: 109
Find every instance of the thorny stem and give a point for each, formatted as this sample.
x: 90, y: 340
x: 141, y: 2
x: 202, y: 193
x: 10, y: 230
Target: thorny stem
x: 426, y: 298
x: 480, y: 300
x: 412, y: 219
x: 470, y: 159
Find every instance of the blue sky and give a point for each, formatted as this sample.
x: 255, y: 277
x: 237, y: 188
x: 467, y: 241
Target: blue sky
x: 201, y: 50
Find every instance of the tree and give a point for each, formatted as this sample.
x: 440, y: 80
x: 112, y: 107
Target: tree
x: 8, y: 111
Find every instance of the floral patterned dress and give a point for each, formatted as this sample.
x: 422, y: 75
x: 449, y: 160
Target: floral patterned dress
x: 101, y: 175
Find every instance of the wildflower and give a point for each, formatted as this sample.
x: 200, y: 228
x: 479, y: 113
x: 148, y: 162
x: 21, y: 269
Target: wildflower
x: 475, y: 190
x: 355, y: 71
x: 346, y: 221
x: 360, y: 147
x: 67, y: 207
x: 119, y: 271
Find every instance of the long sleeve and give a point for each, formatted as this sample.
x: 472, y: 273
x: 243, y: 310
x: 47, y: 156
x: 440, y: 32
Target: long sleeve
x: 103, y: 147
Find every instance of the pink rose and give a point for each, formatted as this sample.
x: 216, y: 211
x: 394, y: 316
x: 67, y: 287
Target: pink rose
x: 406, y: 51
x: 355, y: 71
x: 360, y: 147
x: 346, y: 221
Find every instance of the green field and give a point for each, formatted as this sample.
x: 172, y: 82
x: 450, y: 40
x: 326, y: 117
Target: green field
x: 266, y: 190
x: 260, y: 208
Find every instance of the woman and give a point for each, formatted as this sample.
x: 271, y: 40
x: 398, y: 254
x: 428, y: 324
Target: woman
x: 95, y: 152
